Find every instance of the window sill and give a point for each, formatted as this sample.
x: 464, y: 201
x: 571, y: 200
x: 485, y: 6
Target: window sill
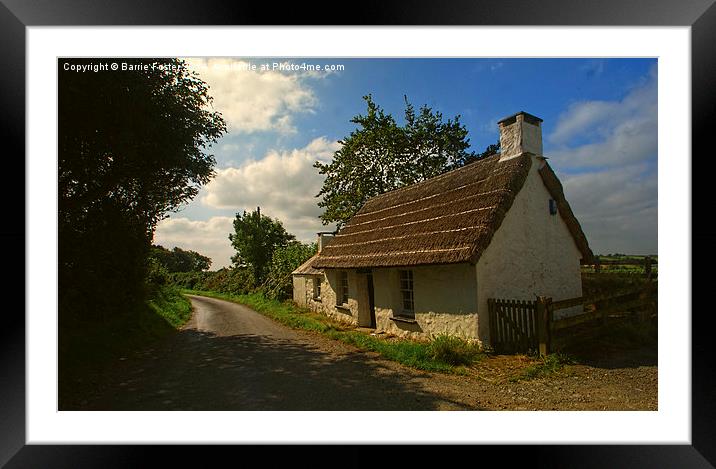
x: 406, y: 319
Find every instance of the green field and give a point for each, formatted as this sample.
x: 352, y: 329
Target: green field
x: 623, y: 264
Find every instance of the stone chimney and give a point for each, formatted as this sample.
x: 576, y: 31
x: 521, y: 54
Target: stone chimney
x: 324, y: 237
x: 520, y: 133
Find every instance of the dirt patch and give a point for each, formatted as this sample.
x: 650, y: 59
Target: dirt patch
x: 621, y: 379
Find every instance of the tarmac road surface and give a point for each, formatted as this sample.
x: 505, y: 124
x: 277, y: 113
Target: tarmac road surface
x: 229, y: 357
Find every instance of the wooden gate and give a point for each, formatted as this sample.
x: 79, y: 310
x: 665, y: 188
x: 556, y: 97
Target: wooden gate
x: 524, y: 326
x: 513, y: 325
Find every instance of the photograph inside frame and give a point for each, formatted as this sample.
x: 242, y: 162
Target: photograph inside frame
x: 357, y: 234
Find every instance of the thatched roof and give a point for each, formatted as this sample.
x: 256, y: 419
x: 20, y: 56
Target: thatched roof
x: 447, y: 219
x: 307, y: 268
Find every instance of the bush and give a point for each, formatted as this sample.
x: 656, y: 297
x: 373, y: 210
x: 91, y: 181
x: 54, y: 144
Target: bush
x: 453, y: 350
x: 157, y: 274
x: 235, y: 281
x: 187, y: 280
x: 286, y: 259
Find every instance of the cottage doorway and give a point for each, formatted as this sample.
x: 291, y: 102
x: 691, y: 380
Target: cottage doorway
x: 371, y: 300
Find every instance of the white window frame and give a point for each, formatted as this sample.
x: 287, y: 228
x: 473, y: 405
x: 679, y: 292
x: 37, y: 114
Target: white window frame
x: 317, y: 288
x: 408, y: 287
x: 342, y: 292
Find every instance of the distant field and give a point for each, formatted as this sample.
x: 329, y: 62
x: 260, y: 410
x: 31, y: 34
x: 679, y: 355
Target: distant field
x: 623, y: 263
x: 625, y: 257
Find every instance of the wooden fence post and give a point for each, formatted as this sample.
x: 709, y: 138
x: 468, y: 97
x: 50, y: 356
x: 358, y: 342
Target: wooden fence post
x: 597, y: 266
x: 544, y: 316
x: 647, y: 266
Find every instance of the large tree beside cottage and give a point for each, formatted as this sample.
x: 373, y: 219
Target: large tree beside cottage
x: 381, y: 155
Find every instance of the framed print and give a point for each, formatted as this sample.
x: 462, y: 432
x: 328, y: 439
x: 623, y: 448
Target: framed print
x: 294, y: 122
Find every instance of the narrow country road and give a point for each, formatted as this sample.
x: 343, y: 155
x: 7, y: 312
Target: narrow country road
x: 229, y: 357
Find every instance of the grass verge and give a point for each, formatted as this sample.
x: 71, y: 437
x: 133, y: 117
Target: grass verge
x: 443, y: 354
x: 169, y: 304
x: 547, y: 366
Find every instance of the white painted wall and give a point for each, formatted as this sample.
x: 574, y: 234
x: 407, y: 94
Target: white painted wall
x: 299, y: 290
x: 445, y: 298
x: 532, y: 253
x: 328, y: 305
x: 303, y: 287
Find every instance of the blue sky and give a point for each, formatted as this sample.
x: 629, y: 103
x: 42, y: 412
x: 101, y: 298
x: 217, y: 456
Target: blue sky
x: 599, y: 131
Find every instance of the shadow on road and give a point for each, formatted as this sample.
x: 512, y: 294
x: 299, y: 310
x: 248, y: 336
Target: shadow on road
x: 196, y: 370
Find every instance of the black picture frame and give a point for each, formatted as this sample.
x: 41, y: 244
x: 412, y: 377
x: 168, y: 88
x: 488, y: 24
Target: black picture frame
x: 17, y: 15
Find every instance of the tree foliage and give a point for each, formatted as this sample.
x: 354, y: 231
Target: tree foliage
x: 235, y: 280
x: 491, y: 149
x: 255, y: 238
x: 179, y: 260
x: 381, y: 155
x: 286, y: 259
x: 132, y: 146
x: 432, y: 146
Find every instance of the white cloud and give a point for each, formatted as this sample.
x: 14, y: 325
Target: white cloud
x: 593, y: 134
x: 616, y: 199
x: 209, y: 238
x: 255, y: 100
x: 283, y: 183
x: 617, y: 208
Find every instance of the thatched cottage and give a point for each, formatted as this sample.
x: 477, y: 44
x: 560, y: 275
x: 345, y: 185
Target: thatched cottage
x: 423, y: 260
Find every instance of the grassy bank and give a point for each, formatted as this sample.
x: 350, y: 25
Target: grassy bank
x: 87, y: 351
x: 169, y: 304
x: 444, y: 354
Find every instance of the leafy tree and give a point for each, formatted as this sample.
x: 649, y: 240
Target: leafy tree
x: 179, y: 260
x: 490, y: 150
x: 157, y: 273
x: 432, y: 146
x: 255, y: 238
x: 368, y: 163
x: 285, y: 259
x: 381, y: 155
x: 132, y: 146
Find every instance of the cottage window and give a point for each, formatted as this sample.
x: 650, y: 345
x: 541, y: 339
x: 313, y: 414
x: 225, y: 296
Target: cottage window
x: 317, y: 288
x: 406, y: 293
x: 342, y: 296
x: 552, y: 207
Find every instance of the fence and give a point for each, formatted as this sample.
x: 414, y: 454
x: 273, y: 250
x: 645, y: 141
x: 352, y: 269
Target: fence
x: 647, y: 263
x: 523, y: 326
